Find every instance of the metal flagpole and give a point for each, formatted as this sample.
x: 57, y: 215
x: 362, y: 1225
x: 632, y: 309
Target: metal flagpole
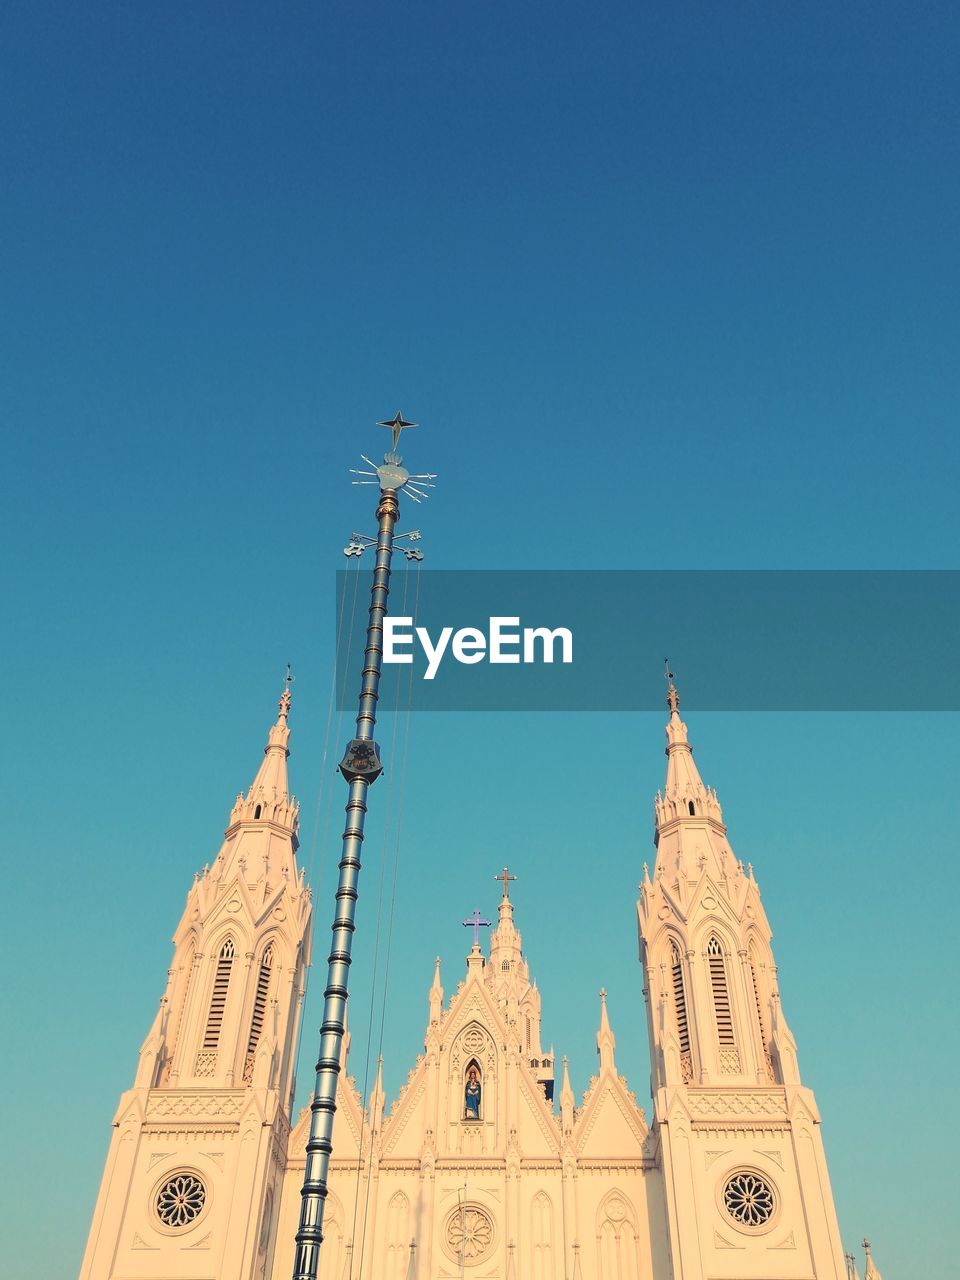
x: 360, y: 766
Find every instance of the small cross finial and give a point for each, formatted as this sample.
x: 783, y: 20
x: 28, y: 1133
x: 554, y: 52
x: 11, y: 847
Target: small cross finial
x: 866, y: 1244
x: 396, y: 425
x: 603, y: 995
x: 506, y: 877
x: 476, y: 923
x: 673, y: 698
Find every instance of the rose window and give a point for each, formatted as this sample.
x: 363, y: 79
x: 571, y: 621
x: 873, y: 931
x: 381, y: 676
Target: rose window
x: 748, y: 1199
x: 469, y: 1233
x: 180, y: 1200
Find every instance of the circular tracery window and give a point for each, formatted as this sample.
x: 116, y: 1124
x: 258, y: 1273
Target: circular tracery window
x: 469, y: 1233
x: 180, y: 1200
x: 748, y: 1199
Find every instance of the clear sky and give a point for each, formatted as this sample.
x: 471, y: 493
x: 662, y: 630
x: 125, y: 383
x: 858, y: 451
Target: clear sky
x: 667, y: 287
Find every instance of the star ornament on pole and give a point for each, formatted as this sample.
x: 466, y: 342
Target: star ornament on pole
x: 391, y: 474
x: 396, y: 424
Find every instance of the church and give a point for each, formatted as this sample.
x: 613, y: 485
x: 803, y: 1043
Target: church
x: 484, y: 1166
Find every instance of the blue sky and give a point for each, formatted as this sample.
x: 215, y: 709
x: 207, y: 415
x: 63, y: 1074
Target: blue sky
x: 666, y: 289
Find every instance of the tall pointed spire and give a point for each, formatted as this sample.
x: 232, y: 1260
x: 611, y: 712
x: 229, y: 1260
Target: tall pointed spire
x: 269, y: 799
x: 689, y: 820
x: 436, y: 994
x: 567, y: 1102
x: 684, y: 786
x: 505, y: 941
x: 377, y: 1099
x: 606, y: 1042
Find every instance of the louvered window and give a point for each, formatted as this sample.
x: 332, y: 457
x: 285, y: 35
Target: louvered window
x: 721, y: 996
x: 260, y: 1000
x: 218, y: 1001
x: 679, y: 999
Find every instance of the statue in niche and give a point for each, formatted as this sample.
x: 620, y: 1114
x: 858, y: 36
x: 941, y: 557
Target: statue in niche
x: 472, y: 1094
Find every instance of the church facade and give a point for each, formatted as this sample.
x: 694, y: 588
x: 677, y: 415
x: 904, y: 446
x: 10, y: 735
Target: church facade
x: 482, y: 1167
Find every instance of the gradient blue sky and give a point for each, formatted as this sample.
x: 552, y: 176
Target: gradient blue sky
x: 667, y: 287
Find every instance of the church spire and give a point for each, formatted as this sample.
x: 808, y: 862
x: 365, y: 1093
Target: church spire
x: 684, y: 792
x: 269, y: 799
x: 606, y: 1042
x: 689, y: 831
x: 505, y: 942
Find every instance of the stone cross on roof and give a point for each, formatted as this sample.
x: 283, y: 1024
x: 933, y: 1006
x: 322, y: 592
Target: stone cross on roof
x: 476, y: 922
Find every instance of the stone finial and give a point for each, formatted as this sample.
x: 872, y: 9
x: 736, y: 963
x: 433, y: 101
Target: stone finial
x: 606, y: 1042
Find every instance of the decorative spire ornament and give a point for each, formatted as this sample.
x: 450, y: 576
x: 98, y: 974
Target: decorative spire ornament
x: 361, y: 765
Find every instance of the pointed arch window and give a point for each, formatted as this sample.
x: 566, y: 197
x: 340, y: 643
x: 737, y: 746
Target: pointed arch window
x: 218, y: 1000
x: 721, y: 994
x: 680, y: 1011
x: 264, y: 974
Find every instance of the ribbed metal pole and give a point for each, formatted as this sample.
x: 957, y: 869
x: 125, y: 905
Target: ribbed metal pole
x: 360, y: 766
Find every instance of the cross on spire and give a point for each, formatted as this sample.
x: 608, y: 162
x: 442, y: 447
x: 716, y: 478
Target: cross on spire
x: 506, y: 877
x: 285, y: 698
x: 673, y: 698
x: 476, y: 923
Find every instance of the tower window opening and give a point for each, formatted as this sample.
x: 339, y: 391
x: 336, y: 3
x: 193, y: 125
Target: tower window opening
x: 218, y: 1001
x: 260, y: 1000
x: 679, y: 999
x: 257, y: 811
x: 505, y: 966
x: 691, y: 808
x: 721, y: 996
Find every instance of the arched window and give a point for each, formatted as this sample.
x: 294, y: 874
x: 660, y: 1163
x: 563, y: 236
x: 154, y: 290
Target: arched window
x: 398, y: 1237
x: 690, y: 806
x: 541, y: 1242
x: 505, y: 966
x: 218, y: 1001
x: 721, y: 995
x: 680, y: 1011
x: 257, y: 811
x: 617, y: 1253
x: 264, y: 974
